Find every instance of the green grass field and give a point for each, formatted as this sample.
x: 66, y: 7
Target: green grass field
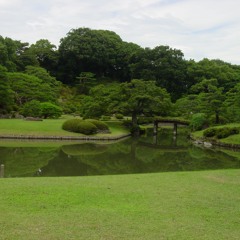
x: 48, y: 127
x: 185, y: 205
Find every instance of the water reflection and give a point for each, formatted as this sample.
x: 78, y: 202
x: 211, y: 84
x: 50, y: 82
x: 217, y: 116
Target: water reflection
x: 142, y: 155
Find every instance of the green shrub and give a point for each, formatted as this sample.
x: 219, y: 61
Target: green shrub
x: 105, y: 118
x: 220, y: 132
x: 210, y: 132
x: 101, y: 126
x: 71, y: 125
x: 234, y: 130
x: 223, y: 132
x: 198, y: 121
x: 119, y: 116
x: 79, y: 126
x: 50, y: 110
x: 31, y: 109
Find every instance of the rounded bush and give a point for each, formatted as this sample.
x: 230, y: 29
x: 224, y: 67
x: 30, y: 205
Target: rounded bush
x: 119, y: 116
x: 79, y: 126
x: 101, y: 126
x: 210, y: 132
x: 234, y: 130
x: 198, y: 121
x: 223, y: 132
x: 105, y: 118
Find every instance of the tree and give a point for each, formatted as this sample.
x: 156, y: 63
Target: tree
x: 6, y: 95
x: 227, y: 75
x: 31, y: 109
x: 210, y: 97
x: 46, y: 54
x: 27, y: 87
x: 101, y: 52
x: 164, y: 65
x: 103, y: 100
x: 49, y: 110
x: 46, y: 78
x: 232, y: 104
x: 86, y: 80
x: 144, y: 98
x: 187, y: 106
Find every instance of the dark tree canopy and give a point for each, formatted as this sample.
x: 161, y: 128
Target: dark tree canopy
x: 99, y: 51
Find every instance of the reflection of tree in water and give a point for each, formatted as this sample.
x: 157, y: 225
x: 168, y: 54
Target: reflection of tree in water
x: 129, y: 156
x: 84, y: 149
x: 25, y: 161
x: 132, y: 157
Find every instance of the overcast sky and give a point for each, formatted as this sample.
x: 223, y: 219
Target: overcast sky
x: 200, y: 28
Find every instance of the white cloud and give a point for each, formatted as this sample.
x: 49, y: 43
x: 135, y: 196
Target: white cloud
x: 207, y: 28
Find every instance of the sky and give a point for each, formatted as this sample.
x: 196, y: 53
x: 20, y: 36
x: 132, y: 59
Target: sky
x: 200, y: 28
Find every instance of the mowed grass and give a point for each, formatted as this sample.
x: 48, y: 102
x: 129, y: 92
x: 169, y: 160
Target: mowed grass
x: 185, y: 205
x: 48, y: 127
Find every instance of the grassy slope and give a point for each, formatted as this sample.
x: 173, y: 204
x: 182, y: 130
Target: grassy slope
x: 48, y: 127
x: 186, y: 205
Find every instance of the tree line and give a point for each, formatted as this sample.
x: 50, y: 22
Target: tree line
x: 95, y: 73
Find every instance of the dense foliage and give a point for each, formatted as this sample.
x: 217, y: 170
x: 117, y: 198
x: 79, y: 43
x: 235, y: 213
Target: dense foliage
x: 95, y: 73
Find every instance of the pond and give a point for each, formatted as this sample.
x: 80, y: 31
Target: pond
x: 146, y: 154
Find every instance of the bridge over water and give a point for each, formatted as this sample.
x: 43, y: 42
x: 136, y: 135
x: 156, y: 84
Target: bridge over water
x: 174, y: 121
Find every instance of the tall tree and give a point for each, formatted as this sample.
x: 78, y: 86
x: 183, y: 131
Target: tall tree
x: 101, y: 52
x: 164, y: 65
x: 6, y: 95
x: 227, y: 75
x: 144, y: 97
x: 46, y: 54
x: 210, y: 97
x: 232, y: 104
x: 28, y: 87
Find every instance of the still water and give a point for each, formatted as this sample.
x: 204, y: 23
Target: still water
x: 142, y: 155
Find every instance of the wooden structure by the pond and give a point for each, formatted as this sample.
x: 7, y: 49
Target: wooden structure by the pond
x: 1, y: 170
x: 173, y: 121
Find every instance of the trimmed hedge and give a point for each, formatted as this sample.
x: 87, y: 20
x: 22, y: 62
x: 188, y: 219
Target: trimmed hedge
x: 79, y: 126
x: 87, y: 127
x: 220, y: 132
x: 101, y: 126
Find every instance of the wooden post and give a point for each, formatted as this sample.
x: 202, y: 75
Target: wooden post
x: 2, y: 171
x: 155, y: 128
x: 175, y: 129
x: 155, y: 139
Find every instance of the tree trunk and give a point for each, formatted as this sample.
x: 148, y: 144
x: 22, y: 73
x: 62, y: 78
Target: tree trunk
x: 217, y: 117
x: 135, y: 127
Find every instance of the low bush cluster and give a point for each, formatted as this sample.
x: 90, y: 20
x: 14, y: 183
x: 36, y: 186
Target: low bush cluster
x: 119, y: 116
x: 198, y: 122
x: 105, y: 118
x: 101, y: 126
x: 220, y: 132
x: 86, y: 127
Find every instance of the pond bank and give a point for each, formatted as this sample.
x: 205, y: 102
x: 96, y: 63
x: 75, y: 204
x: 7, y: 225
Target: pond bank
x: 209, y: 142
x: 117, y: 137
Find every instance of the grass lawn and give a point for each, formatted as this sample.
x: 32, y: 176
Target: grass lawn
x: 184, y: 205
x: 48, y: 127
